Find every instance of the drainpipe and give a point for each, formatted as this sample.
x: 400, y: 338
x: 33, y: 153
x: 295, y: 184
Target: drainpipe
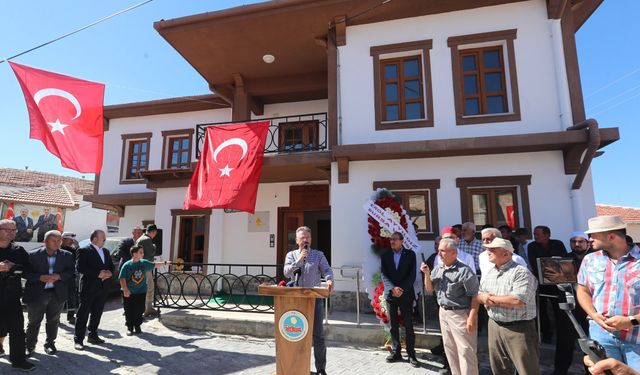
x: 575, y: 194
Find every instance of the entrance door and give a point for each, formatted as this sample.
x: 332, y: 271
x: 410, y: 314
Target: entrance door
x: 291, y: 220
x: 192, y: 239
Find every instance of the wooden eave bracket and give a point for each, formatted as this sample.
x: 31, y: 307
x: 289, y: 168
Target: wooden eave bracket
x: 343, y: 170
x: 556, y: 8
x: 114, y: 208
x: 572, y: 158
x: 340, y: 24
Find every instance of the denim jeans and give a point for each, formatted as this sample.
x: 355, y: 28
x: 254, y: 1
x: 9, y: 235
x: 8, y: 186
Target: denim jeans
x: 621, y: 350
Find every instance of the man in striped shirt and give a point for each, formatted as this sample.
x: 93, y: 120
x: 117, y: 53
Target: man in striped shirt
x: 470, y: 244
x: 609, y: 289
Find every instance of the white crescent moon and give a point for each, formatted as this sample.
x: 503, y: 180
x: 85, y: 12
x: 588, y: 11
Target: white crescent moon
x: 61, y: 93
x: 230, y: 142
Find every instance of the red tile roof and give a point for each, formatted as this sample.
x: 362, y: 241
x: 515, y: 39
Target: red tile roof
x: 52, y: 195
x: 21, y: 178
x: 628, y: 214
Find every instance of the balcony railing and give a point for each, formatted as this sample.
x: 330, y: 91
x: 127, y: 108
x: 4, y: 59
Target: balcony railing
x: 307, y: 132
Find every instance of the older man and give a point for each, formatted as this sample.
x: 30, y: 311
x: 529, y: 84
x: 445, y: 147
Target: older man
x: 456, y: 287
x: 508, y: 291
x: 487, y: 236
x: 312, y: 265
x: 24, y: 225
x: 450, y: 232
x: 49, y: 272
x: 609, y: 289
x: 13, y: 260
x: 470, y: 244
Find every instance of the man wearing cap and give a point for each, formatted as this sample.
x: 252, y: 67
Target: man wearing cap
x: 456, y: 286
x: 146, y: 242
x: 609, y: 289
x: 508, y: 291
x: 50, y: 270
x: 69, y: 244
x: 487, y: 235
x: 567, y: 335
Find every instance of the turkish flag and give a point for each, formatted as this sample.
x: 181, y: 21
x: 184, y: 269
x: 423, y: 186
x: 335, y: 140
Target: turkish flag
x: 65, y: 113
x: 59, y: 219
x: 9, y: 214
x: 228, y: 171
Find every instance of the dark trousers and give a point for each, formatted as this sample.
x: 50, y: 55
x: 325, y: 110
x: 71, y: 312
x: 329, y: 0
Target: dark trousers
x: 133, y: 309
x: 406, y: 307
x: 319, y: 347
x: 546, y: 329
x: 566, y: 338
x: 512, y: 346
x: 12, y: 322
x: 48, y: 304
x: 90, y: 303
x: 72, y: 301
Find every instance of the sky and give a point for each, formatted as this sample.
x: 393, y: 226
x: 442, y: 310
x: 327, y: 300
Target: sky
x: 137, y: 64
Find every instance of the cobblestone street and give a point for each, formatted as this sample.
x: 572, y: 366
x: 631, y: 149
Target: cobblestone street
x: 160, y: 350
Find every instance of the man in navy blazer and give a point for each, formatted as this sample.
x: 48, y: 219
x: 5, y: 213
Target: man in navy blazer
x: 94, y: 265
x: 24, y: 225
x: 399, y: 274
x: 46, y: 290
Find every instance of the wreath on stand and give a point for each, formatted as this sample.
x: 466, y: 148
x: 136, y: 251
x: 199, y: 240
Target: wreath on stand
x: 392, y: 203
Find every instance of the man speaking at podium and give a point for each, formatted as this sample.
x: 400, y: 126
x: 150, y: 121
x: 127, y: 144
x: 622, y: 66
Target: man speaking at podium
x: 305, y: 266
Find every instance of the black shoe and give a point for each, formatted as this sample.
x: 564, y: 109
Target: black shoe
x: 29, y: 352
x: 413, y: 361
x: 138, y: 330
x: 50, y: 348
x: 321, y: 372
x: 95, y: 340
x: 78, y: 345
x: 129, y: 332
x: 444, y: 371
x: 24, y: 366
x: 394, y: 357
x: 71, y: 320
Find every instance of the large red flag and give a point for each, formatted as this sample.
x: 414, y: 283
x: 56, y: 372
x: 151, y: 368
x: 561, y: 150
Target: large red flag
x: 228, y: 171
x: 65, y: 113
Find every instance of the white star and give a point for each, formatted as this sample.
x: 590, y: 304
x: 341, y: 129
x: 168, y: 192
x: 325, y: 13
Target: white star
x: 225, y: 171
x: 57, y: 126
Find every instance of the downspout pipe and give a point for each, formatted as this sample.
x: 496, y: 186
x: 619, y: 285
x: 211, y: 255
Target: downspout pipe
x: 592, y: 148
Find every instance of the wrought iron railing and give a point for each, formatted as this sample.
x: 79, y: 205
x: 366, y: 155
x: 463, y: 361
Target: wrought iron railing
x: 316, y: 142
x: 226, y: 287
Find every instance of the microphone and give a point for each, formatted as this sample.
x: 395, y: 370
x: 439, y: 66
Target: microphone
x: 290, y: 284
x: 282, y: 283
x: 296, y: 276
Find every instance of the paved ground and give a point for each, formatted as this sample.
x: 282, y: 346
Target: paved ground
x: 160, y: 350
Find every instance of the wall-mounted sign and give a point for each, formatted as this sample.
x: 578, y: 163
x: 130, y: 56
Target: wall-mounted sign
x: 293, y: 326
x: 259, y: 222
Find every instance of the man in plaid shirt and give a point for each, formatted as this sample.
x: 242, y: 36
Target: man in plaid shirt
x: 609, y: 289
x: 470, y: 244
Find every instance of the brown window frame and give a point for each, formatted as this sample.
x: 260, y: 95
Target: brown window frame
x: 492, y: 213
x: 125, y: 165
x: 519, y: 183
x: 421, y: 49
x: 176, y: 215
x: 482, y: 93
x: 167, y: 147
x: 415, y: 187
x: 309, y: 128
x: 503, y: 39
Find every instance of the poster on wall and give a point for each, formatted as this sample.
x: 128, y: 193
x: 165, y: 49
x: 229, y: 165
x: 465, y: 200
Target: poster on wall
x: 259, y: 222
x: 33, y: 221
x: 113, y: 222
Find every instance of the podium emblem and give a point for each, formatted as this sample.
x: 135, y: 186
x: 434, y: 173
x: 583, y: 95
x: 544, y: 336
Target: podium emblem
x: 293, y: 326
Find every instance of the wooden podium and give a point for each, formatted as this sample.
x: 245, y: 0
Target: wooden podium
x: 294, y: 311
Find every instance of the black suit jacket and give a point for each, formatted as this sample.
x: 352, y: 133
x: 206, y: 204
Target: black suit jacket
x: 22, y: 235
x: 88, y: 266
x: 404, y: 276
x: 38, y: 266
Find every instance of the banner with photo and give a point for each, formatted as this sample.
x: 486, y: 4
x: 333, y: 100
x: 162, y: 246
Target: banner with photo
x: 33, y: 221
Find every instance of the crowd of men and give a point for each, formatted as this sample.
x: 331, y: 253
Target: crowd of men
x: 494, y: 275
x: 60, y: 275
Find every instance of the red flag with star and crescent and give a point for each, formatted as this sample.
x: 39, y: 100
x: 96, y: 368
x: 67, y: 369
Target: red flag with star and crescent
x: 65, y: 114
x: 229, y: 168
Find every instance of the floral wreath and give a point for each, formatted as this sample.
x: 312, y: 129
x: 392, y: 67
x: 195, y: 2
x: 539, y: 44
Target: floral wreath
x: 392, y: 203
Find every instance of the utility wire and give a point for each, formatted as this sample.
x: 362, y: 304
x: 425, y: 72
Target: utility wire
x: 77, y: 31
x: 634, y: 88
x: 614, y: 82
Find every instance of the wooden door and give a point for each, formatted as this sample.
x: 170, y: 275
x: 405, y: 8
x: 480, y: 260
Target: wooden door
x: 289, y: 221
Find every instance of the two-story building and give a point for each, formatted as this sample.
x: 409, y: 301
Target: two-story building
x: 470, y: 110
